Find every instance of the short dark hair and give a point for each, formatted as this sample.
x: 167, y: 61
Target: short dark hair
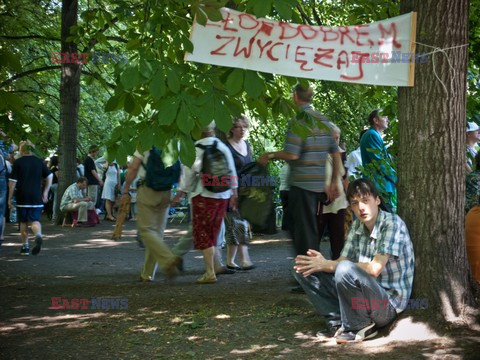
x: 304, y: 94
x: 375, y: 113
x: 361, y: 134
x: 54, y: 160
x: 82, y: 179
x: 93, y: 148
x: 361, y: 187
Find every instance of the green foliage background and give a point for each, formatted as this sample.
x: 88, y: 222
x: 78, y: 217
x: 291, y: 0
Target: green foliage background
x: 158, y: 98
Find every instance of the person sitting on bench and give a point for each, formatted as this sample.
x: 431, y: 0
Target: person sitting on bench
x: 75, y: 200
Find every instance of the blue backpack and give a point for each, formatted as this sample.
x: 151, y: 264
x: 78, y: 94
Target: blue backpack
x: 158, y: 177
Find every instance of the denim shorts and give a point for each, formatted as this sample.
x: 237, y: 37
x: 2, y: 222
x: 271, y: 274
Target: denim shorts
x: 29, y: 214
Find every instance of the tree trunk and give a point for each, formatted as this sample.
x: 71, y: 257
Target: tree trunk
x: 431, y: 191
x: 69, y: 102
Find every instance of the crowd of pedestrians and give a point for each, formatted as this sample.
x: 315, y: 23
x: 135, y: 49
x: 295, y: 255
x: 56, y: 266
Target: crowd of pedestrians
x: 371, y: 256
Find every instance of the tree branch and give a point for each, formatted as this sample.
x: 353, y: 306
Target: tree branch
x: 304, y: 16
x: 117, y: 38
x: 22, y: 37
x: 98, y: 77
x: 29, y: 72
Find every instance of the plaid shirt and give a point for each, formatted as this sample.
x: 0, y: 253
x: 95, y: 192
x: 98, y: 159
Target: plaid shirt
x: 389, y: 236
x: 72, y: 192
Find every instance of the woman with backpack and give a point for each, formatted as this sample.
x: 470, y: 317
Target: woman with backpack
x: 110, y: 187
x: 237, y: 234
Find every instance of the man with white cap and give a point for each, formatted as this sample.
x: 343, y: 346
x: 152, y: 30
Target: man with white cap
x: 473, y: 137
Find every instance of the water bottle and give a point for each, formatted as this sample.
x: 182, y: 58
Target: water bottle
x: 13, y: 211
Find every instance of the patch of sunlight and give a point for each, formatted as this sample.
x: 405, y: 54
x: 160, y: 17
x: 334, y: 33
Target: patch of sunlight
x: 199, y: 257
x: 147, y: 330
x: 99, y: 243
x: 405, y: 330
x: 53, y: 236
x: 11, y: 260
x: 35, y: 322
x: 159, y: 312
x: 65, y: 277
x: 176, y: 320
x: 222, y: 316
x: 268, y: 241
x: 253, y: 349
x: 193, y: 338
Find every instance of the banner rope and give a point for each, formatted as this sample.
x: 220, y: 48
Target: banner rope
x: 440, y: 50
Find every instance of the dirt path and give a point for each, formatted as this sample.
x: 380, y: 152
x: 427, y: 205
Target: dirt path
x: 246, y: 315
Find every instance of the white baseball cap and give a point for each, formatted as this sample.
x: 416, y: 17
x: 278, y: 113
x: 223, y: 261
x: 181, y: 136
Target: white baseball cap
x: 472, y: 126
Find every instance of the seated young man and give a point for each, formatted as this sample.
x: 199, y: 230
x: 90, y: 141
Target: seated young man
x: 75, y: 199
x: 371, y: 282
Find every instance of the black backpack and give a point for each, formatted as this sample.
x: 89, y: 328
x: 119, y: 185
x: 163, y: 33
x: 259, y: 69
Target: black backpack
x: 215, y: 166
x: 158, y: 177
x: 255, y: 198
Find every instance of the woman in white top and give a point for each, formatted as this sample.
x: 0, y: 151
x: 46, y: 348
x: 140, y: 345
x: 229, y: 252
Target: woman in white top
x: 111, y: 183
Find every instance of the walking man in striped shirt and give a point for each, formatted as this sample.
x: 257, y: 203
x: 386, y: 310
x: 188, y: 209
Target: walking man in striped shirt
x: 371, y: 282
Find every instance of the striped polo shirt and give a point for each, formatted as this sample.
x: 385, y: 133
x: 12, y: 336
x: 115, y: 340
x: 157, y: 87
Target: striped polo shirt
x: 389, y: 236
x: 308, y: 171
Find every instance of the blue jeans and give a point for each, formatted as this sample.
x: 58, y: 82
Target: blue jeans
x: 344, y: 294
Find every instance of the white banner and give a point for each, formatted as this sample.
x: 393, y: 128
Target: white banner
x: 381, y: 53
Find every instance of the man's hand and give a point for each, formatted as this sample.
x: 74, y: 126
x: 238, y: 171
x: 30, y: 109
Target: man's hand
x: 308, y: 264
x: 100, y: 182
x: 263, y: 159
x: 332, y: 191
x: 234, y: 202
x: 45, y: 197
x: 10, y: 206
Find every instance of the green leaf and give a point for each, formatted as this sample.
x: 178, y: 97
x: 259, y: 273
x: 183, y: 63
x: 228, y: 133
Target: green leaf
x: 223, y: 119
x: 187, y: 150
x: 234, y: 82
x: 173, y: 81
x: 167, y: 110
x: 122, y: 154
x: 262, y: 8
x: 253, y: 84
x: 212, y: 13
x: 13, y: 101
x: 184, y: 121
x: 157, y: 86
x: 146, y: 136
x: 129, y: 105
x: 130, y: 77
x: 201, y: 17
x: 115, y: 102
x: 146, y: 68
x: 283, y: 8
x: 133, y: 44
x: 187, y: 44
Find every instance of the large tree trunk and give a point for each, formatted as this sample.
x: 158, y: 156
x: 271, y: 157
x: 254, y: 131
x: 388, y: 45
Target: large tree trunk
x: 69, y: 101
x: 431, y: 166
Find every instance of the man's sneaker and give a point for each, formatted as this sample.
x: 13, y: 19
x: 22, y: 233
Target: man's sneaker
x: 25, y: 250
x: 360, y: 335
x: 331, y: 331
x: 38, y: 245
